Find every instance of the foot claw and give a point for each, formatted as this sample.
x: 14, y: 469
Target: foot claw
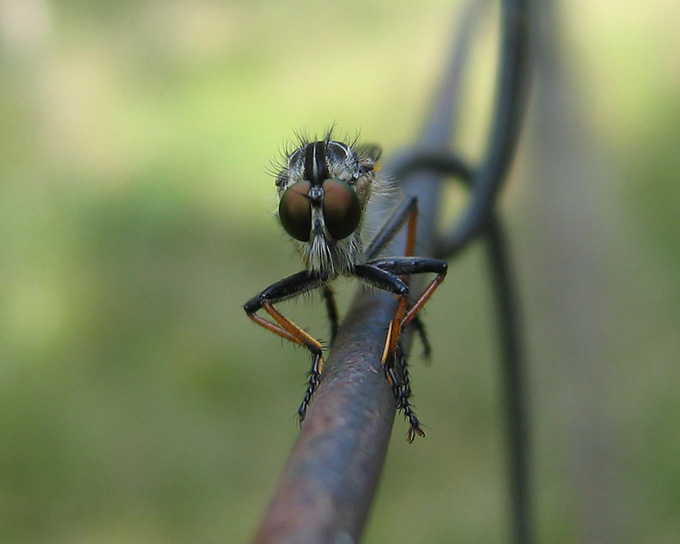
x: 412, y: 432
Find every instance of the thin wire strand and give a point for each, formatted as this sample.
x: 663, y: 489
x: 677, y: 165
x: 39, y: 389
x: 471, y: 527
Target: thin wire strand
x: 510, y: 341
x: 503, y: 133
x: 514, y: 380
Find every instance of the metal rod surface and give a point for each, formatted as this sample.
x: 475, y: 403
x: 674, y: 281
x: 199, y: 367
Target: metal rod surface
x: 327, y: 486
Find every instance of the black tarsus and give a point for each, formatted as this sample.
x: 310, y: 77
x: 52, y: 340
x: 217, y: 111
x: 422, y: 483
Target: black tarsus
x: 398, y: 377
x: 312, y: 384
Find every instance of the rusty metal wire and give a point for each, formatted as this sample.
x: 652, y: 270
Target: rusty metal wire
x: 328, y: 483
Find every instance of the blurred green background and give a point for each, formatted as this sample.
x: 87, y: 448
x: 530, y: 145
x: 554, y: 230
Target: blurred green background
x: 138, y: 404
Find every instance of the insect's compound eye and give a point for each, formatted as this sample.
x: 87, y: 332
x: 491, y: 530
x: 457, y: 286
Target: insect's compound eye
x: 295, y: 211
x: 341, y: 208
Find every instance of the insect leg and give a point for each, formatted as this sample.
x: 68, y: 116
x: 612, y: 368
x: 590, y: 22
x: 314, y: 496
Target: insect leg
x: 403, y: 401
x: 332, y: 310
x: 419, y: 326
x: 287, y: 288
x: 406, y: 209
x: 396, y: 374
x: 392, y: 351
x: 406, y: 266
x: 386, y: 281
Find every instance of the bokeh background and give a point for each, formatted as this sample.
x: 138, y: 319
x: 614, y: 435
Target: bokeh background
x: 138, y: 404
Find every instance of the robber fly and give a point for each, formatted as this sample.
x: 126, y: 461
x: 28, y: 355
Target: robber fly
x: 324, y: 188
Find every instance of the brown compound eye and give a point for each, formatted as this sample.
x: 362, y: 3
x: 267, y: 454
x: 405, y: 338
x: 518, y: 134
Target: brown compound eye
x: 341, y: 208
x: 295, y: 211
